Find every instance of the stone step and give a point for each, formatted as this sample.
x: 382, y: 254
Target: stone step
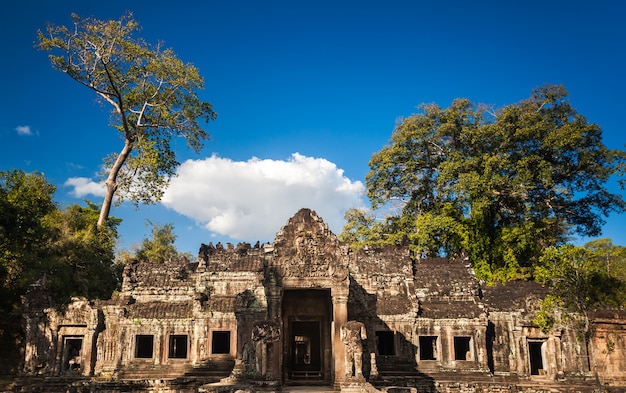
x: 308, y: 389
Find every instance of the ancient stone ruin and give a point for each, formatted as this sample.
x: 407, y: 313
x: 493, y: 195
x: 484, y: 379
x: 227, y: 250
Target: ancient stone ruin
x: 308, y: 310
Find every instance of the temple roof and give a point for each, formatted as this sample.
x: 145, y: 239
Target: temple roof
x: 512, y: 296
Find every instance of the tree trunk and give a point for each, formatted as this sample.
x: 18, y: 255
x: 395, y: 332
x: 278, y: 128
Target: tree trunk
x: 111, y: 182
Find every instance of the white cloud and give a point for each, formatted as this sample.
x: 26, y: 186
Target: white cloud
x: 251, y: 200
x: 84, y: 186
x: 23, y: 130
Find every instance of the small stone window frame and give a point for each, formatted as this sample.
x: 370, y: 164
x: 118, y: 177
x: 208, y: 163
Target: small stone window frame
x: 463, y: 348
x: 178, y: 346
x: 144, y: 346
x: 429, y: 347
x: 220, y: 342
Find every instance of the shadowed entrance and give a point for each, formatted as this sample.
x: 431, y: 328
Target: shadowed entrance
x: 306, y: 358
x: 307, y: 348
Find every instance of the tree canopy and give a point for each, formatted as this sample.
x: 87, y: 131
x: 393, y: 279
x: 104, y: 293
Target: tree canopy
x: 153, y: 97
x: 581, y: 276
x: 25, y: 201
x: 38, y: 240
x: 498, y: 186
x: 79, y: 255
x: 160, y: 247
x: 580, y: 280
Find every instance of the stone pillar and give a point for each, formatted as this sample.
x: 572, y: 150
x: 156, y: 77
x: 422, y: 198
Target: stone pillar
x: 521, y: 350
x: 89, y: 350
x: 274, y: 296
x: 480, y: 347
x: 340, y: 317
x: 447, y: 346
x: 30, y: 349
x: 559, y: 355
x: 157, y: 354
x: 553, y: 355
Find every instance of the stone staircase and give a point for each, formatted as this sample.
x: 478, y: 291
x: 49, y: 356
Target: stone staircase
x: 210, y: 370
x: 308, y: 389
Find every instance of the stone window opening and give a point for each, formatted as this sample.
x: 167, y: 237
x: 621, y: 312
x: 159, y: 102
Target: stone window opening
x: 428, y: 347
x: 537, y: 356
x: 178, y: 346
x: 385, y: 343
x: 220, y: 343
x: 462, y: 348
x: 144, y: 346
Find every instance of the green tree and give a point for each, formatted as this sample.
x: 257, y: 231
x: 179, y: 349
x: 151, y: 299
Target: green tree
x: 25, y: 200
x: 152, y: 93
x: 160, y: 247
x: 498, y: 186
x: 359, y: 228
x: 579, y: 281
x: 578, y: 276
x: 613, y: 257
x: 80, y: 253
x: 37, y: 239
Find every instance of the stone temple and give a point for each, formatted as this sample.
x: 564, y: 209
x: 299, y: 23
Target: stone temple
x: 307, y: 310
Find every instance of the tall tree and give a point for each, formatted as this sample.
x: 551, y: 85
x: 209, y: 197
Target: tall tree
x: 152, y: 93
x: 498, y: 185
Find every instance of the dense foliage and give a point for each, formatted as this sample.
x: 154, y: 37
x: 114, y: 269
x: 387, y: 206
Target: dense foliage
x: 496, y: 186
x: 585, y: 277
x: 38, y: 240
x: 580, y: 280
x: 160, y: 246
x: 152, y: 93
x: 25, y: 201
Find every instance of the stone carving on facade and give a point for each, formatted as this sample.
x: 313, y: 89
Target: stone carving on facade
x: 352, y: 333
x: 130, y: 274
x: 338, y: 272
x: 264, y: 333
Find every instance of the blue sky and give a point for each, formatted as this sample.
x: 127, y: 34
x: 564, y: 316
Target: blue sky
x: 305, y: 92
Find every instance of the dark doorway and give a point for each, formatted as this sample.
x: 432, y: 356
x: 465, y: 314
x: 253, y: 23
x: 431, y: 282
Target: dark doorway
x: 535, y: 353
x: 385, y: 343
x: 72, y: 360
x: 490, y: 337
x: 307, y: 350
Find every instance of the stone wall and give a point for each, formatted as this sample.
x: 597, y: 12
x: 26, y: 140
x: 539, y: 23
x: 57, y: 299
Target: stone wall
x: 425, y: 321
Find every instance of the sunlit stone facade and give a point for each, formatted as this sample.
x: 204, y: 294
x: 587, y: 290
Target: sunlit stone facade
x: 281, y: 313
